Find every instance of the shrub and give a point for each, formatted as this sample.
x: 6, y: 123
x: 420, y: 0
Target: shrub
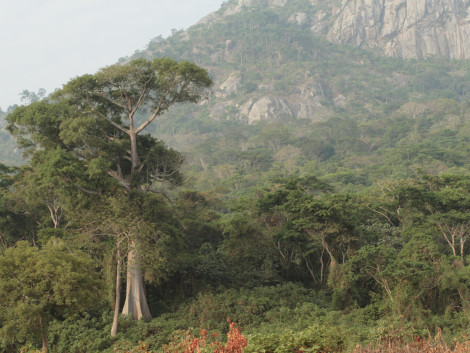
x: 315, y: 338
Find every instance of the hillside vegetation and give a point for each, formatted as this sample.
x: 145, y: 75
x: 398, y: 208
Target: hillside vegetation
x: 318, y: 196
x: 287, y: 102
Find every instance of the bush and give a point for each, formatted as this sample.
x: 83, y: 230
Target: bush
x: 315, y: 338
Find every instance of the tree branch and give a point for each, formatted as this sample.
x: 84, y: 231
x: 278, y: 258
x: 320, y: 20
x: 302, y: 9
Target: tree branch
x: 4, y: 244
x: 116, y: 125
x: 171, y: 203
x: 152, y: 117
x: 102, y: 95
x: 121, y: 180
x: 144, y: 94
x: 91, y: 192
x: 380, y: 213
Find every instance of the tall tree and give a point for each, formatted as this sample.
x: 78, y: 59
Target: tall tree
x: 131, y: 96
x: 100, y: 119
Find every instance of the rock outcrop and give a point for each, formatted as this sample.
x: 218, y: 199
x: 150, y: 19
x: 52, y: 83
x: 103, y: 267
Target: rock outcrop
x: 267, y: 108
x: 299, y: 18
x: 278, y: 2
x: 405, y: 28
x: 239, y: 7
x: 230, y: 86
x: 400, y: 28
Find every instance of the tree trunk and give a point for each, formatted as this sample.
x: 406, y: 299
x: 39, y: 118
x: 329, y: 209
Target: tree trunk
x: 135, y: 161
x: 118, y: 292
x: 136, y: 302
x: 328, y: 250
x: 45, y: 342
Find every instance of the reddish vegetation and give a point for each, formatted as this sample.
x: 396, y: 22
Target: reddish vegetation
x: 236, y: 343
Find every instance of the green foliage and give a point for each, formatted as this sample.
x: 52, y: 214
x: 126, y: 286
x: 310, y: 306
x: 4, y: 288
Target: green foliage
x: 81, y: 333
x: 314, y: 339
x: 40, y: 285
x: 343, y: 226
x: 38, y: 123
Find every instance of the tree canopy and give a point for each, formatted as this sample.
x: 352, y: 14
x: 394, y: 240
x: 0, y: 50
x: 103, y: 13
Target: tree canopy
x: 40, y: 285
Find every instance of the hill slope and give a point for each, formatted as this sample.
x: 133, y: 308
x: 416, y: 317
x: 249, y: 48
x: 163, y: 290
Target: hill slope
x: 304, y: 233
x: 293, y: 97
x: 287, y: 100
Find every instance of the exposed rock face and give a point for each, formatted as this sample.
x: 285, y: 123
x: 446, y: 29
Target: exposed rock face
x: 299, y: 18
x: 268, y: 108
x: 230, y: 86
x: 309, y: 96
x: 401, y: 28
x: 246, y: 108
x: 238, y: 8
x: 306, y: 110
x: 405, y: 28
x: 279, y: 2
x: 340, y: 101
x: 319, y: 23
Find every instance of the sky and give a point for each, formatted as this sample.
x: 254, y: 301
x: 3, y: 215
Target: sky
x: 45, y: 43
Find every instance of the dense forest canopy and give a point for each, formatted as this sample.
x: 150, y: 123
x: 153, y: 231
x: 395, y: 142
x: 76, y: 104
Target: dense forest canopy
x: 315, y: 194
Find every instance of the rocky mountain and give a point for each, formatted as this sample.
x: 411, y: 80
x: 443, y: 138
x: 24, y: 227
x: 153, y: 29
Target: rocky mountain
x: 404, y: 28
x: 399, y: 28
x: 305, y: 86
x: 301, y: 84
x: 274, y: 60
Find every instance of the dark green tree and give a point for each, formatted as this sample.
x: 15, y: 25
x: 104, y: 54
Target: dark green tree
x: 441, y: 202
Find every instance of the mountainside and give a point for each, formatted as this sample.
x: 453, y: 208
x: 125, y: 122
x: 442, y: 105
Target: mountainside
x: 277, y: 53
x: 399, y: 28
x: 291, y: 96
x: 318, y: 194
x: 288, y: 100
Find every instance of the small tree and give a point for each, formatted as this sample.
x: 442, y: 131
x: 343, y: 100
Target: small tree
x: 39, y: 285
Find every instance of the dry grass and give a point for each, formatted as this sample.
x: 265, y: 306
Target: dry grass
x: 419, y: 345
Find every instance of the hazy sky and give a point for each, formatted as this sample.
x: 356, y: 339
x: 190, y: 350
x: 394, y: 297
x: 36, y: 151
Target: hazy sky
x: 44, y: 43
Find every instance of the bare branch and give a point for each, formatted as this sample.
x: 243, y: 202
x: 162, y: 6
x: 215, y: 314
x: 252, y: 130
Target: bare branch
x: 380, y: 213
x: 119, y: 178
x: 152, y: 117
x: 87, y: 191
x: 143, y: 95
x: 4, y: 244
x: 102, y: 95
x: 116, y: 125
x: 171, y: 203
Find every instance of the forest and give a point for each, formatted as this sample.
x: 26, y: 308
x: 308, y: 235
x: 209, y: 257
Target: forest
x: 141, y: 211
x: 298, y: 263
